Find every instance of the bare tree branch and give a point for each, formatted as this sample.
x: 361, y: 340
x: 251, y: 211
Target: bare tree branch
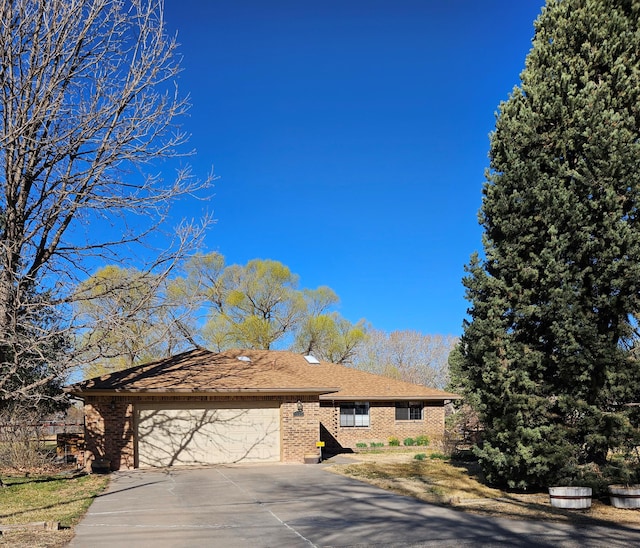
x: 407, y: 355
x: 87, y: 106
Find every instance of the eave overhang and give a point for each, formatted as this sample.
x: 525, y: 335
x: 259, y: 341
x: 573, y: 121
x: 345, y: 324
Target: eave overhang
x: 364, y: 397
x: 313, y: 391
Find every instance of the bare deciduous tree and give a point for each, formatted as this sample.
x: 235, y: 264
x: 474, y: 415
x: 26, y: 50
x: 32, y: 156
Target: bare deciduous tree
x: 87, y: 105
x: 407, y: 355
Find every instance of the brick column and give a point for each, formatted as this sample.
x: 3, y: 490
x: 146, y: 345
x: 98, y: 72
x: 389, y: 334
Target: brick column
x: 300, y: 430
x: 109, y: 431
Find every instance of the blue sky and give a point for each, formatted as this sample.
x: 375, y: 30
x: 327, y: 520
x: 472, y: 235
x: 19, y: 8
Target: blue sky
x: 350, y: 139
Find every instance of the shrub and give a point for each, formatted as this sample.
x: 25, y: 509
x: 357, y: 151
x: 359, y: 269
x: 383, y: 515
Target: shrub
x: 420, y: 456
x: 361, y: 445
x: 439, y: 456
x: 422, y: 440
x: 394, y: 442
x: 409, y: 442
x: 21, y: 443
x: 376, y: 444
x: 464, y: 455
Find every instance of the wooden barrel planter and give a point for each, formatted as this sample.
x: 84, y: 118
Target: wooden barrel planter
x: 575, y: 498
x: 625, y: 496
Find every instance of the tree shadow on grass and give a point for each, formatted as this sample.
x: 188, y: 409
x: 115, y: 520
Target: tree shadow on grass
x: 69, y: 501
x: 10, y: 481
x: 533, y: 504
x: 411, y: 480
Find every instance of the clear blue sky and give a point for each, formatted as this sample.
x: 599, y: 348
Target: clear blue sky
x: 351, y: 139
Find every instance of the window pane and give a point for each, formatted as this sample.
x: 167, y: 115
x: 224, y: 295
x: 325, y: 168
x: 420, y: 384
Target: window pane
x: 406, y: 411
x: 346, y: 415
x: 362, y: 414
x: 347, y: 420
x: 402, y: 413
x: 415, y: 412
x: 354, y: 414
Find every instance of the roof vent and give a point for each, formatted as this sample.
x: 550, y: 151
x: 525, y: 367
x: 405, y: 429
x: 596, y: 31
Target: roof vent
x: 312, y: 359
x: 244, y: 358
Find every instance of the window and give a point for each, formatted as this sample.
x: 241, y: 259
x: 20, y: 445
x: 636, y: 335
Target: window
x: 408, y: 411
x: 354, y: 414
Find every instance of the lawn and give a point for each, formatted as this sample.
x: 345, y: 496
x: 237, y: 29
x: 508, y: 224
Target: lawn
x: 62, y: 498
x: 459, y: 485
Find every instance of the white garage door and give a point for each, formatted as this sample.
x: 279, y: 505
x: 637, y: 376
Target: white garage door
x: 187, y: 434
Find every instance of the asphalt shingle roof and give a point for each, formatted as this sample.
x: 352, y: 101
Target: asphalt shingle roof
x: 256, y: 371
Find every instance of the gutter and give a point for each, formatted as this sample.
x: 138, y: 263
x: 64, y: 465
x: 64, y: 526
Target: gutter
x: 170, y: 391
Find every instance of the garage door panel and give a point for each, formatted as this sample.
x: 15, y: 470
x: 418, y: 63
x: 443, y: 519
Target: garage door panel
x: 169, y: 437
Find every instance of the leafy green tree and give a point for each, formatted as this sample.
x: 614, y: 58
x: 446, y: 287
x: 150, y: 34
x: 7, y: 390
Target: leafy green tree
x: 262, y: 304
x: 130, y: 318
x: 547, y: 350
x: 259, y: 305
x: 330, y: 337
x: 250, y: 306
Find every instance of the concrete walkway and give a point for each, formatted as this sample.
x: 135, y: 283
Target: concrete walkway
x: 279, y: 505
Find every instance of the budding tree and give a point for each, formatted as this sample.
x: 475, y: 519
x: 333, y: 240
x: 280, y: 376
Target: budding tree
x: 259, y: 305
x: 87, y: 104
x: 134, y: 319
x: 330, y: 337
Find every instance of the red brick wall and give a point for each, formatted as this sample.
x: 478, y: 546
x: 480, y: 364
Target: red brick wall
x: 299, y: 430
x: 382, y: 425
x: 109, y: 426
x: 109, y: 431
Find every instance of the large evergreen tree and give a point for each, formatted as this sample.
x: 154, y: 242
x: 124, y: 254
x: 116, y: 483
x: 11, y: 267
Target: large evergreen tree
x: 548, y: 351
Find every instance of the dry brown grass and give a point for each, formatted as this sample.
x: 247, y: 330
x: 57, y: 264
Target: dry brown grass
x: 459, y: 486
x: 37, y: 539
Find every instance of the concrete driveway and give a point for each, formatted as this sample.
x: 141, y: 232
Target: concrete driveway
x: 298, y: 506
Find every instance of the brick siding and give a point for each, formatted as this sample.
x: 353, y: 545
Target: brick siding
x: 109, y: 431
x: 109, y: 425
x: 299, y: 432
x: 382, y: 425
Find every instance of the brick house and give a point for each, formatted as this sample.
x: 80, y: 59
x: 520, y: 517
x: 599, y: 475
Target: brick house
x: 201, y: 407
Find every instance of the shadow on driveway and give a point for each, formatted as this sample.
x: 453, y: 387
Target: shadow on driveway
x: 298, y: 505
